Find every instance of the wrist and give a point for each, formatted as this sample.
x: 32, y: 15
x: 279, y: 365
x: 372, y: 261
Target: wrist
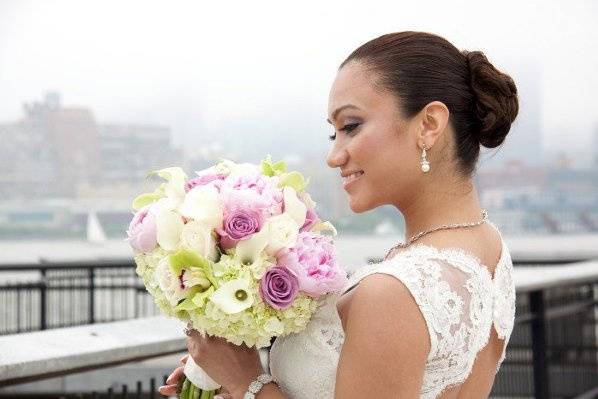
x: 253, y: 388
x: 243, y: 384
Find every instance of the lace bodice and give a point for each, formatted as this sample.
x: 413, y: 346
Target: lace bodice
x: 460, y: 302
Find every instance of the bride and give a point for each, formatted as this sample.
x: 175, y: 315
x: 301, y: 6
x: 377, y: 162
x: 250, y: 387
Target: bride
x: 432, y: 320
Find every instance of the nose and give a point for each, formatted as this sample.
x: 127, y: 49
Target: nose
x: 337, y: 156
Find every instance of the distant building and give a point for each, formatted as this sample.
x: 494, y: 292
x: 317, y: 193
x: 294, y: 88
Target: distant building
x: 129, y: 152
x: 56, y: 151
x: 49, y: 152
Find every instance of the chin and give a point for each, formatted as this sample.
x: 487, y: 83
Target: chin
x: 358, y: 206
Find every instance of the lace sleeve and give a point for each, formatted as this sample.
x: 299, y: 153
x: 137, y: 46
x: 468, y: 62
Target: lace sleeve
x: 439, y: 291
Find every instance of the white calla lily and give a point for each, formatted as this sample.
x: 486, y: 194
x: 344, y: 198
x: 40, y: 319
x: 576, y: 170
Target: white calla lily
x: 248, y: 251
x: 293, y: 206
x: 233, y: 296
x: 174, y: 188
x: 169, y: 226
x: 203, y: 204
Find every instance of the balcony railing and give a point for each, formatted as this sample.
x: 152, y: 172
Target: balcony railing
x: 553, y: 351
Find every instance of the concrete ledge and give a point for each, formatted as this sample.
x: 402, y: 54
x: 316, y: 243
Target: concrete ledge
x: 31, y: 356
x: 543, y: 277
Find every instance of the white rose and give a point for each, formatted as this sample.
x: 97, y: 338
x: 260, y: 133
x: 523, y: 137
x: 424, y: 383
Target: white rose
x: 197, y: 237
x: 203, y: 204
x: 281, y: 231
x: 169, y: 225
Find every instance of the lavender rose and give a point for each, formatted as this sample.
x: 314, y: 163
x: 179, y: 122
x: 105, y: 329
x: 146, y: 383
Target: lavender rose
x: 279, y: 287
x: 239, y: 224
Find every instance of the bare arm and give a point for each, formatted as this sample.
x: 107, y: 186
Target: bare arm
x: 386, y: 344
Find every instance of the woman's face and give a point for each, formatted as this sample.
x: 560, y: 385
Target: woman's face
x: 372, y: 138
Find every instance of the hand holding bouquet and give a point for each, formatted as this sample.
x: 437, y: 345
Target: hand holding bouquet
x: 236, y: 251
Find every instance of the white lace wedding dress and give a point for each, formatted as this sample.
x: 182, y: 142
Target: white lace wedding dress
x: 460, y: 302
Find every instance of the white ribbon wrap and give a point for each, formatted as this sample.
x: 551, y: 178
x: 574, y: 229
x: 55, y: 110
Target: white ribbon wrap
x: 198, y: 376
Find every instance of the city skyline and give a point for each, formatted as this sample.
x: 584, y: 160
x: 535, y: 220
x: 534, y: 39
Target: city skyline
x: 206, y: 76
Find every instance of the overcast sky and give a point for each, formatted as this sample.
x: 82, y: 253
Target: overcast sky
x: 205, y: 66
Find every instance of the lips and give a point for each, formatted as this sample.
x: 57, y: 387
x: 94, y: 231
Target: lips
x: 352, y: 177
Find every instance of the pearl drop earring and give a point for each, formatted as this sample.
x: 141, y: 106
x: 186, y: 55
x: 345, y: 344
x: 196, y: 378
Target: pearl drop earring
x: 425, y: 165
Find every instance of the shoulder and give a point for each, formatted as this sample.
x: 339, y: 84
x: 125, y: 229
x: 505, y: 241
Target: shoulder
x: 385, y: 295
x: 384, y: 323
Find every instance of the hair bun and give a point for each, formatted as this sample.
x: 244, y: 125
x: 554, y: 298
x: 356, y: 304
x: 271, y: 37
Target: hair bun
x: 495, y: 97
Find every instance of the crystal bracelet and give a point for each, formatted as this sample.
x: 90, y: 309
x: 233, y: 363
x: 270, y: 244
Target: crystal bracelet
x: 257, y: 384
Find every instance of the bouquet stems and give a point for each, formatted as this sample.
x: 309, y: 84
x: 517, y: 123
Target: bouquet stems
x: 190, y: 391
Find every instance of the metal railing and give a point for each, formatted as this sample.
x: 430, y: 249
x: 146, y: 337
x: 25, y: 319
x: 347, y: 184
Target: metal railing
x: 552, y: 353
x: 71, y: 294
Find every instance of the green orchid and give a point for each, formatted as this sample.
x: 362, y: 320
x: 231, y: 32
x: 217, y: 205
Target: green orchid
x: 196, y: 299
x: 295, y: 180
x: 270, y: 168
x: 292, y: 179
x: 196, y: 264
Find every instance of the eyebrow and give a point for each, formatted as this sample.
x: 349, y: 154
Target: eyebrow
x: 339, y: 109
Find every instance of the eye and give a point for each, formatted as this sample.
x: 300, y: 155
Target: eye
x: 347, y: 129
x: 350, y: 127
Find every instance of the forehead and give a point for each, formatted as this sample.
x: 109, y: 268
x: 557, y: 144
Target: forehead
x: 355, y: 84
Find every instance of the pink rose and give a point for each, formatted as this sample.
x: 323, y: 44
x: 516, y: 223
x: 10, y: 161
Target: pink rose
x: 142, y: 230
x: 314, y: 263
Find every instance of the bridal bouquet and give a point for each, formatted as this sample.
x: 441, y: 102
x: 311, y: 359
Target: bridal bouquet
x: 237, y: 251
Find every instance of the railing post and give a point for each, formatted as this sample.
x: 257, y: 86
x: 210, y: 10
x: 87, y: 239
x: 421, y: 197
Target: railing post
x: 91, y: 301
x: 43, y: 293
x: 539, y: 348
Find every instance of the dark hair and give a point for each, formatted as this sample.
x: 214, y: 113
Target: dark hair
x: 420, y: 67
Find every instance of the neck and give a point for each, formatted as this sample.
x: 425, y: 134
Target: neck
x: 435, y: 207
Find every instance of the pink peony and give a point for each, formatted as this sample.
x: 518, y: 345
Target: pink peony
x: 258, y: 187
x: 314, y: 263
x: 216, y: 180
x: 142, y: 230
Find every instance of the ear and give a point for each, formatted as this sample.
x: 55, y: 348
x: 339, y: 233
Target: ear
x: 434, y: 119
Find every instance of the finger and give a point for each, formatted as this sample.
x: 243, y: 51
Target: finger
x: 168, y: 390
x: 175, y: 375
x: 184, y: 358
x: 223, y: 396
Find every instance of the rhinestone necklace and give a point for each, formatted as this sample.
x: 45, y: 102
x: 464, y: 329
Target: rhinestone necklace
x: 442, y: 227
